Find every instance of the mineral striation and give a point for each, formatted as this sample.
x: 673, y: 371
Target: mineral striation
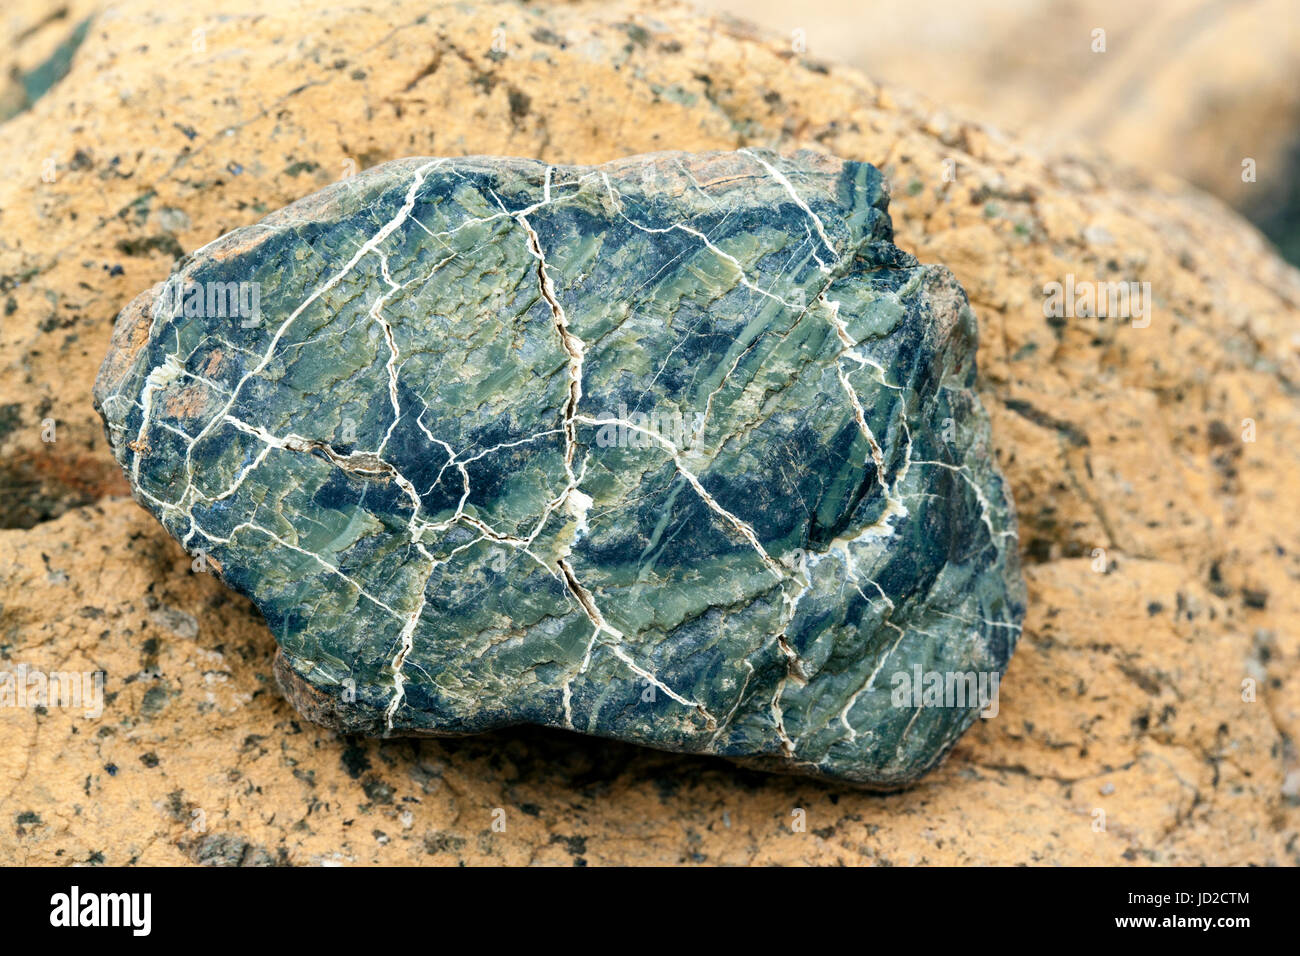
x: 678, y: 450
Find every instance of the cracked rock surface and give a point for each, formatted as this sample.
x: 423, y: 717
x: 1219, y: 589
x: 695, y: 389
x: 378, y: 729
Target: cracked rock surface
x: 678, y: 450
x: 1124, y: 694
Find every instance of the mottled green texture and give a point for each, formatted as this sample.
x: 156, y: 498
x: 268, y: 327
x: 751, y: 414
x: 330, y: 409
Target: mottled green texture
x: 679, y: 450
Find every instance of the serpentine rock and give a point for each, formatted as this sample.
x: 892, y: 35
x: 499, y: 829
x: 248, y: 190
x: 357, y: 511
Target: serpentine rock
x: 678, y: 450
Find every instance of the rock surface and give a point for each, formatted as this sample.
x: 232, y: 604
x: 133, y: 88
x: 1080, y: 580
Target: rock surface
x: 679, y: 450
x: 1176, y: 87
x: 1125, y: 693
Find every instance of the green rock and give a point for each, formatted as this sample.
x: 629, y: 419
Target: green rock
x: 679, y: 450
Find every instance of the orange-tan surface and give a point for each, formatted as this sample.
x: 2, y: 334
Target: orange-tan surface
x: 1150, y: 713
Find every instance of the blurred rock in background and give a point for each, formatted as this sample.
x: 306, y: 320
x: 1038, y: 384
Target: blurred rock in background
x: 37, y: 42
x: 1189, y: 87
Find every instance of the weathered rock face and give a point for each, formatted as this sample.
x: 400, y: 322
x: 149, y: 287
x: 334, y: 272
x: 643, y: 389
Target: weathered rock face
x: 1124, y: 694
x: 680, y: 450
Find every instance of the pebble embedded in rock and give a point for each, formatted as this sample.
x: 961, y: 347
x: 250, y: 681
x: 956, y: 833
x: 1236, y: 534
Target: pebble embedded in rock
x: 679, y: 450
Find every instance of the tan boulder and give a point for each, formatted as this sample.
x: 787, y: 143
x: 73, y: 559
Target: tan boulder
x: 1154, y: 465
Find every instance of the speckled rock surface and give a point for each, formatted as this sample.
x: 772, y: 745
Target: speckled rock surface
x: 1126, y: 692
x: 678, y: 450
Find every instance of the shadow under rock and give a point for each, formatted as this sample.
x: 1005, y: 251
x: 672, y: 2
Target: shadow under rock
x: 544, y: 757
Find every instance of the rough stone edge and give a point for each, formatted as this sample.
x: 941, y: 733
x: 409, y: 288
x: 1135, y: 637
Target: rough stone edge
x: 131, y: 335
